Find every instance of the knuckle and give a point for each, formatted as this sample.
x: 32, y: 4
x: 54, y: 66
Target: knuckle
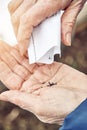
x: 70, y: 24
x: 27, y: 19
x: 23, y: 19
x: 68, y: 21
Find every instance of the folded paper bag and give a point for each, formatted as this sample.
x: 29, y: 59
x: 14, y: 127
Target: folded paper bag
x: 45, y: 41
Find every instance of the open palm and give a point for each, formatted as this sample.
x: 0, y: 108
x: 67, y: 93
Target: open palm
x: 48, y: 91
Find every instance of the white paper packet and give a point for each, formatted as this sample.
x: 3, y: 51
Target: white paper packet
x: 45, y: 41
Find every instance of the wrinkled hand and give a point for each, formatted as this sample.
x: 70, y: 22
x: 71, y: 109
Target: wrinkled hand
x: 26, y: 14
x: 49, y: 91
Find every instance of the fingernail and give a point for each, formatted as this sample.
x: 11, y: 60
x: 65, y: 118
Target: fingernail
x: 68, y: 39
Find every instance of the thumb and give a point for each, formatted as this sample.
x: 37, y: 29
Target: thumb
x: 24, y: 100
x: 69, y: 19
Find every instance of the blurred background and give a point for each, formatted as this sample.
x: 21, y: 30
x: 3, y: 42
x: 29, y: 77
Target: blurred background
x: 11, y: 116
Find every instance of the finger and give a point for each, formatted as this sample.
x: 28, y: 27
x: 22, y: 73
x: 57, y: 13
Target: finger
x: 13, y: 5
x: 25, y: 5
x: 32, y: 18
x: 14, y: 65
x: 7, y: 58
x: 10, y: 79
x: 24, y: 100
x: 22, y: 60
x: 69, y: 19
x: 11, y: 73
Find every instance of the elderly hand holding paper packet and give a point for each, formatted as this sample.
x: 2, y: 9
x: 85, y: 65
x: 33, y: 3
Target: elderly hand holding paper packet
x: 27, y: 14
x: 58, y: 87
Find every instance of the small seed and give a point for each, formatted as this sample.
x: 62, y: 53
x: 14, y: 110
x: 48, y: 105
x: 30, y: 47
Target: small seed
x: 51, y: 84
